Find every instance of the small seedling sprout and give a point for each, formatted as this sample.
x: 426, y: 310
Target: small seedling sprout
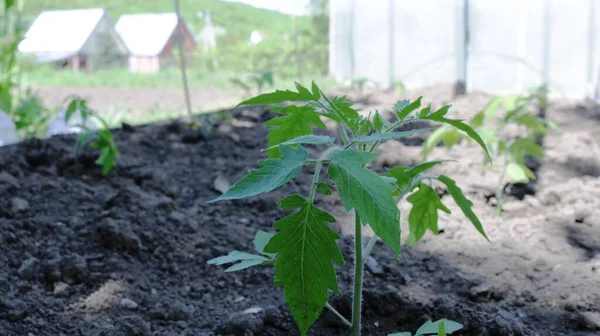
x: 305, y: 249
x: 101, y: 139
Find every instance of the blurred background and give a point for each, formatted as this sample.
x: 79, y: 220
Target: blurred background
x: 125, y: 56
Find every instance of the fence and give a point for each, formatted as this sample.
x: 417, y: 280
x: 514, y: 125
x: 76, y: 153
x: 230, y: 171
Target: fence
x: 499, y: 46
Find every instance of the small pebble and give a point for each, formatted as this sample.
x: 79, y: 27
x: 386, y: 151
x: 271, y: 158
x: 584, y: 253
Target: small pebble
x: 29, y: 268
x: 128, y: 304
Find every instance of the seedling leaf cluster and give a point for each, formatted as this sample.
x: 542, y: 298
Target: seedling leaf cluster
x: 101, y: 139
x: 304, y: 250
x: 509, y: 149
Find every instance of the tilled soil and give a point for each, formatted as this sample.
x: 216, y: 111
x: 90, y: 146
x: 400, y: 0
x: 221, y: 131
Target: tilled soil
x: 82, y: 254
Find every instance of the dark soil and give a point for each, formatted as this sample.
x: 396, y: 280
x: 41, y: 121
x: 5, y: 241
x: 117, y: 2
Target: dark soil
x: 82, y: 254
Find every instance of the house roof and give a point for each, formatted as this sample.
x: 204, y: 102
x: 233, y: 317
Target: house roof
x: 147, y: 34
x: 61, y: 33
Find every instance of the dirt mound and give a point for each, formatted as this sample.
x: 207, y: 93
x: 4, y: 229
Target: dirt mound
x: 81, y: 254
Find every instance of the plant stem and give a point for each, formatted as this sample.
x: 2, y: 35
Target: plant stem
x: 337, y: 313
x: 180, y: 42
x: 343, y: 135
x: 315, y: 180
x: 358, y: 276
x: 500, y: 188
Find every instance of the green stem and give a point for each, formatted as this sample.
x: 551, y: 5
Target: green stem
x: 500, y: 191
x: 344, y: 135
x: 315, y: 180
x: 358, y: 276
x: 325, y: 156
x: 337, y: 313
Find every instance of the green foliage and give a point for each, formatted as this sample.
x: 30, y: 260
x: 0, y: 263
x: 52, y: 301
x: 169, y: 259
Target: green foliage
x: 424, y: 212
x: 101, y: 139
x: 244, y: 260
x: 510, y: 150
x: 25, y: 109
x: 258, y: 80
x: 441, y: 327
x: 272, y: 174
x: 304, y: 249
x: 365, y: 191
x: 297, y: 121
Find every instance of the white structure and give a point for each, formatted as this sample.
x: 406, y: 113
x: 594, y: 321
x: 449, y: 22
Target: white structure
x: 255, y: 37
x: 58, y: 125
x: 8, y: 130
x: 150, y: 39
x: 500, y: 46
x: 79, y: 38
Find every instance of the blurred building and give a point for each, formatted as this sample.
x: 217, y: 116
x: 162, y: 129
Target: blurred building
x: 151, y: 40
x: 75, y: 39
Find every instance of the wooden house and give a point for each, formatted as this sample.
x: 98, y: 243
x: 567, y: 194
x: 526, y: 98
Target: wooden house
x: 75, y: 39
x: 151, y: 40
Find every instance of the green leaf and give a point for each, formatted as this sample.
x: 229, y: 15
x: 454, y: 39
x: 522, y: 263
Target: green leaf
x: 315, y: 91
x: 303, y: 91
x: 526, y: 146
x: 8, y: 4
x: 278, y: 97
x: 73, y: 105
x: 403, y: 109
x: 5, y: 100
x: 439, y: 116
x: 388, y: 136
x: 297, y: 121
x: 84, y: 137
x: 243, y: 260
x: 368, y: 193
x: 261, y: 239
x: 406, y: 333
x: 272, y: 174
x: 306, y: 140
x: 424, y: 213
x: 519, y: 173
x: 424, y: 112
x: 477, y: 120
x: 445, y: 134
x: 404, y: 175
x: 532, y: 122
x: 463, y: 203
x: 379, y: 122
x: 307, y: 249
x: 433, y: 328
x: 323, y: 188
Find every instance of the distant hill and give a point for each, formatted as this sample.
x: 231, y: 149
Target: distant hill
x: 239, y: 20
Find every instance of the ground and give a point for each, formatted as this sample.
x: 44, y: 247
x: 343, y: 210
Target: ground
x: 81, y: 254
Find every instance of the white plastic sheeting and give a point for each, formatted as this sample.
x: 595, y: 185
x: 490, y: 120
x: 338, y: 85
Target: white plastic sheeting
x: 57, y: 125
x: 8, y: 130
x: 500, y: 46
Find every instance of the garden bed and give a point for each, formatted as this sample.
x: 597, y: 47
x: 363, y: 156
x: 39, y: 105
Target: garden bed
x: 82, y: 254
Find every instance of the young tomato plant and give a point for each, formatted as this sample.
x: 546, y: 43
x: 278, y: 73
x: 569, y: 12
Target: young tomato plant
x: 257, y: 80
x: 304, y: 250
x: 510, y: 137
x: 101, y: 139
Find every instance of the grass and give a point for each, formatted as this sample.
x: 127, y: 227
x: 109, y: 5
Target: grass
x: 167, y: 79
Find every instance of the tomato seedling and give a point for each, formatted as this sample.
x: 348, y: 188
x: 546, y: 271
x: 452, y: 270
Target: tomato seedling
x: 101, y: 139
x: 305, y: 249
x: 510, y: 148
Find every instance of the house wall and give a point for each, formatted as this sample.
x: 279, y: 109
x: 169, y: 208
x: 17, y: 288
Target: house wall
x: 189, y: 45
x: 104, y: 48
x: 144, y: 64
